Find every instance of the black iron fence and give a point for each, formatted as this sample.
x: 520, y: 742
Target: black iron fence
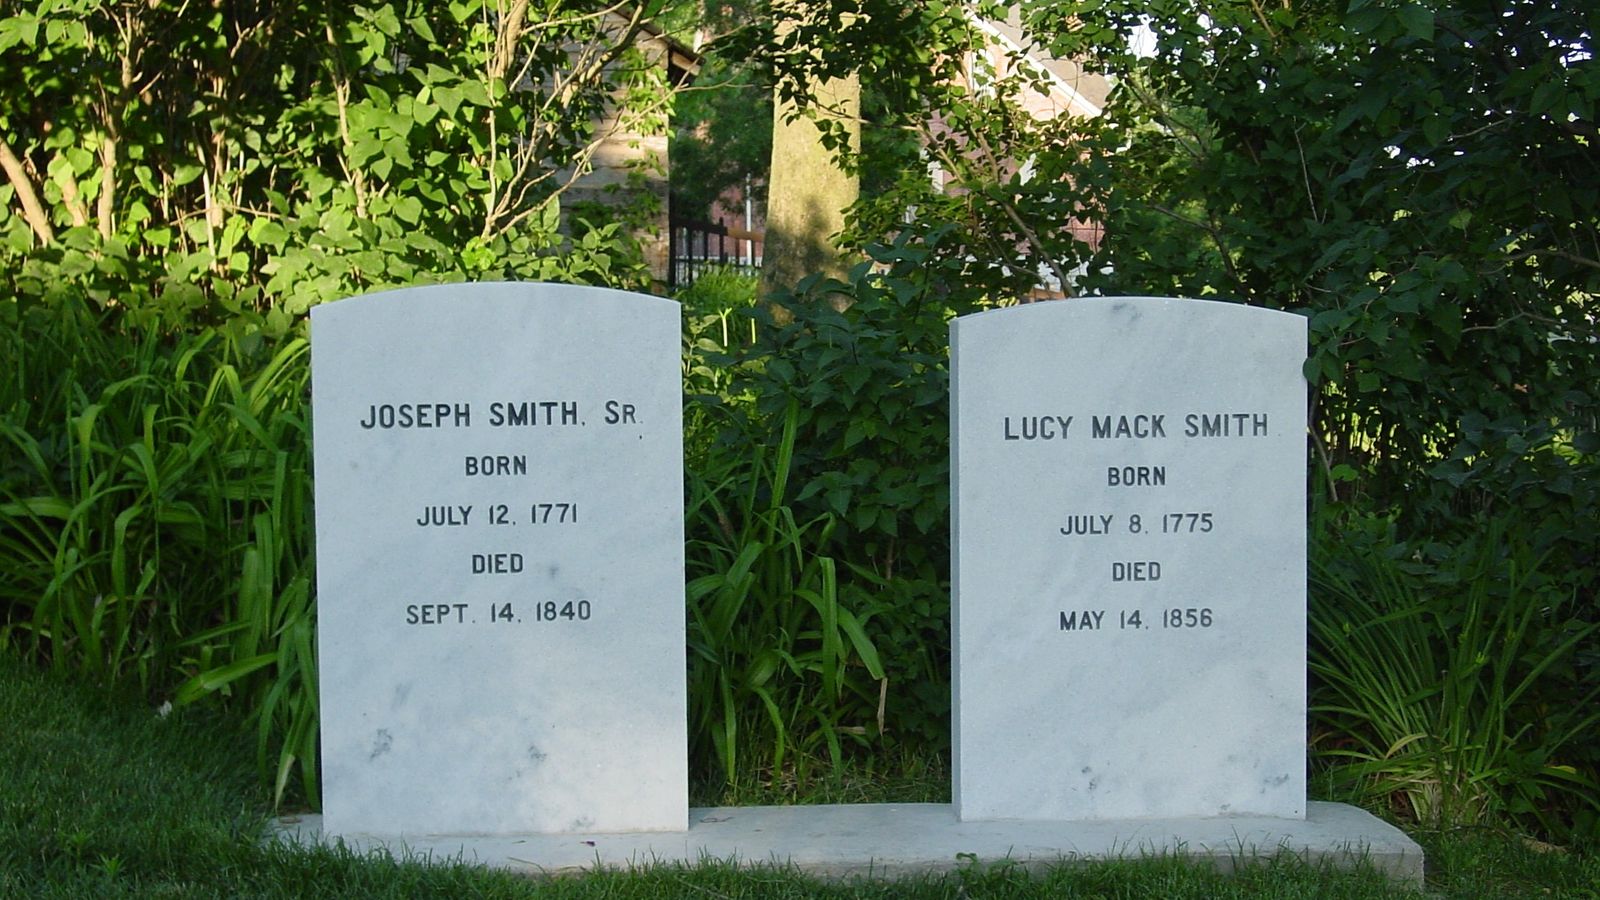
x: 696, y: 247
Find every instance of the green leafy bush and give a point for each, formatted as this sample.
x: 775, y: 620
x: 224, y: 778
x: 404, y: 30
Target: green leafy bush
x: 1448, y: 690
x: 248, y: 162
x: 777, y: 659
x: 155, y: 514
x: 853, y: 380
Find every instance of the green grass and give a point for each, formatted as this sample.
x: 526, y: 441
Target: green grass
x: 103, y: 797
x: 898, y: 776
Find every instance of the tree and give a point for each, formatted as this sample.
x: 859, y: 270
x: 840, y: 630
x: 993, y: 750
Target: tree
x: 809, y: 192
x: 1416, y: 177
x: 332, y: 149
x: 902, y: 55
x: 1419, y: 179
x: 943, y: 96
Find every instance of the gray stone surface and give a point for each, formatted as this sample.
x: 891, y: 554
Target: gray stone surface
x: 897, y: 840
x: 500, y: 560
x: 1128, y: 483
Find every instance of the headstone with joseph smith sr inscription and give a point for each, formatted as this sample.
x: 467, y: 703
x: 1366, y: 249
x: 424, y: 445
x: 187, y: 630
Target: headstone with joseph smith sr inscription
x: 1129, y: 540
x: 500, y: 561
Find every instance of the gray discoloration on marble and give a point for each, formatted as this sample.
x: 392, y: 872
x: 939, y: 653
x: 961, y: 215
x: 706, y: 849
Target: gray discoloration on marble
x: 1068, y: 420
x: 451, y: 700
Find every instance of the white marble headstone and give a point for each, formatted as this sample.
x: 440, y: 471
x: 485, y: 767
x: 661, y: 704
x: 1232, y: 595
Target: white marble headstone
x: 1129, y: 560
x: 499, y: 486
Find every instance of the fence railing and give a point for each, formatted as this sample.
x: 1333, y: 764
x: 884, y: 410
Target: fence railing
x: 695, y: 247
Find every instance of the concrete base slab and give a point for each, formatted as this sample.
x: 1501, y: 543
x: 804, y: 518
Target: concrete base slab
x: 890, y: 840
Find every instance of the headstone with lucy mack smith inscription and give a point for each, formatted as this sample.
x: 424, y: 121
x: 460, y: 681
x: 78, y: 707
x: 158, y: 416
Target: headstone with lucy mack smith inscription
x: 1129, y: 561
x: 499, y: 515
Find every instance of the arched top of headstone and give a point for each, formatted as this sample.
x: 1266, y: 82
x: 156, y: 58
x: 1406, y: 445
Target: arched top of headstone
x: 1133, y: 307
x: 489, y: 291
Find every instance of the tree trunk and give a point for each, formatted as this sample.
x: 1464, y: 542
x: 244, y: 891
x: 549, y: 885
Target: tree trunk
x: 807, y: 192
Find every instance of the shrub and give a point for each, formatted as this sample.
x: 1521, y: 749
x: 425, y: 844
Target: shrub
x: 850, y: 380
x: 1447, y: 690
x: 155, y: 514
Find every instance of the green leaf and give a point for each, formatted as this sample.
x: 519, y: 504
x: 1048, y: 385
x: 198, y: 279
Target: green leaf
x: 419, y: 25
x: 1365, y: 19
x: 838, y: 500
x: 1548, y: 96
x: 864, y: 647
x: 409, y: 210
x: 423, y: 112
x: 215, y: 679
x: 854, y: 434
x: 474, y: 92
x: 49, y: 507
x: 1417, y: 21
x: 856, y: 378
x: 1447, y: 318
x: 268, y: 232
x: 449, y: 99
x: 1436, y: 129
x: 21, y: 29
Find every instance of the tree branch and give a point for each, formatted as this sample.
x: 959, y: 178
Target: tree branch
x: 1028, y: 233
x: 512, y: 23
x: 341, y: 94
x: 71, y: 199
x: 32, y: 211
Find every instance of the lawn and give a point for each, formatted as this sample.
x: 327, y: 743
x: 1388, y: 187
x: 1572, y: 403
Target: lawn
x: 105, y: 796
